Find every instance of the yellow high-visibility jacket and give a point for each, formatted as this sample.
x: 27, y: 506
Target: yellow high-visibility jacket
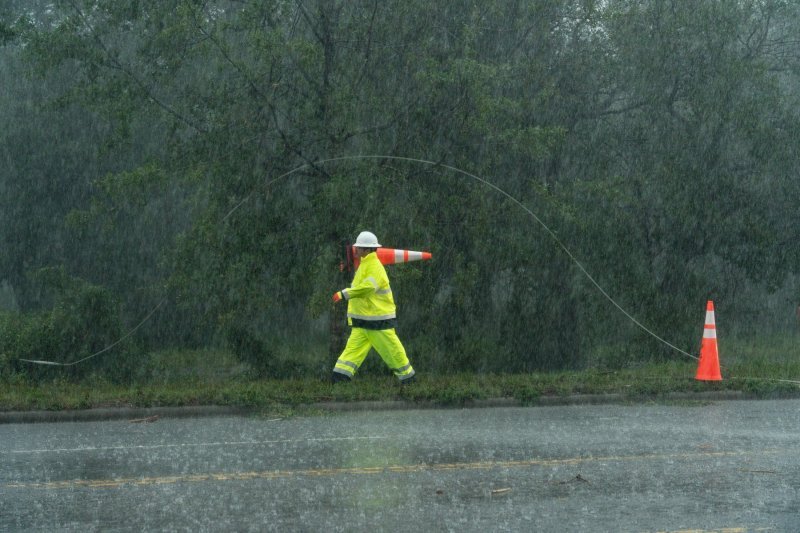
x: 369, y: 299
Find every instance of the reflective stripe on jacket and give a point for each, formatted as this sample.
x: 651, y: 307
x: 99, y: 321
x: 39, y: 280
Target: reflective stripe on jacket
x: 369, y: 297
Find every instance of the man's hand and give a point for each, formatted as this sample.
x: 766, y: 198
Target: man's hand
x: 337, y: 296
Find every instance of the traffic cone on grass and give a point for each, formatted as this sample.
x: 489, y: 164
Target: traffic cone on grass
x: 708, y: 366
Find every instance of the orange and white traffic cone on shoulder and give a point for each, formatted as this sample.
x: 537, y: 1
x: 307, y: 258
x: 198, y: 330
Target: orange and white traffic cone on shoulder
x: 708, y: 366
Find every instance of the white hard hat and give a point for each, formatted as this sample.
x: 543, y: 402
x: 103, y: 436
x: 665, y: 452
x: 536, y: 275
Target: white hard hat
x: 367, y: 239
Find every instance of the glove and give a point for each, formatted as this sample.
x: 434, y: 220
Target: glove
x: 337, y: 296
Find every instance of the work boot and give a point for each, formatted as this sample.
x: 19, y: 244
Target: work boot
x: 408, y: 381
x: 336, y: 377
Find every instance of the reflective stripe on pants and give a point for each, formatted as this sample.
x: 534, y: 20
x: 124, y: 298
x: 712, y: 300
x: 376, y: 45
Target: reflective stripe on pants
x: 385, y: 342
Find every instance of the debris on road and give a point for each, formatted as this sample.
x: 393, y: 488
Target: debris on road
x: 146, y: 420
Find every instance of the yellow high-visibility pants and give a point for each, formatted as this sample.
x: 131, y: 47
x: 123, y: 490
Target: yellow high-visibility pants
x: 385, y: 342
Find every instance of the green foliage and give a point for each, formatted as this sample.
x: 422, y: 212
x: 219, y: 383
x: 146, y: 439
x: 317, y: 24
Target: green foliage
x: 84, y: 320
x: 7, y: 33
x: 174, y: 147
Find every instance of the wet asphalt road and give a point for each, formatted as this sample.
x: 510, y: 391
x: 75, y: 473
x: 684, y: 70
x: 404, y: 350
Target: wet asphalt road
x: 727, y: 466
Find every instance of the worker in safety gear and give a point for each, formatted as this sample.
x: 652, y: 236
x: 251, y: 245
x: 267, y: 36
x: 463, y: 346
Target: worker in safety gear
x: 372, y: 314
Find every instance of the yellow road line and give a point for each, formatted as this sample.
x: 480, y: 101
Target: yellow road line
x: 723, y: 530
x: 395, y: 469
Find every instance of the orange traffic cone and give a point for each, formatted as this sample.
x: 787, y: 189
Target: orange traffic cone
x: 391, y: 256
x: 708, y: 366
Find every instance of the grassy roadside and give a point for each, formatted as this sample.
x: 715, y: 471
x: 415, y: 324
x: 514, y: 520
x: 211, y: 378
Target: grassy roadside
x: 757, y: 377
